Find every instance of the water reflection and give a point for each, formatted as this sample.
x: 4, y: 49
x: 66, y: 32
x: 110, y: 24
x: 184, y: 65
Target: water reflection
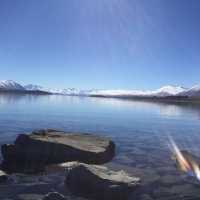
x: 162, y: 108
x: 159, y: 108
x: 16, y: 98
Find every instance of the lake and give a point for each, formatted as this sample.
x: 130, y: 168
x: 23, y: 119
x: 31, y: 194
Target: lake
x: 139, y: 129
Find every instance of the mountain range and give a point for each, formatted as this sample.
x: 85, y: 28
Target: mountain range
x: 166, y: 91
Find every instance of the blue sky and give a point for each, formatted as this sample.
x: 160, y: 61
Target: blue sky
x: 127, y: 44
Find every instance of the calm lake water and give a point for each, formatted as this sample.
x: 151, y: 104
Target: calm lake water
x: 140, y: 130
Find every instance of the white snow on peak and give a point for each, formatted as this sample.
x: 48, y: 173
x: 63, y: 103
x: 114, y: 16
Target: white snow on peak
x: 32, y: 87
x: 68, y: 91
x: 164, y: 91
x: 168, y: 90
x: 117, y: 92
x: 195, y: 88
x: 10, y: 85
x: 77, y: 92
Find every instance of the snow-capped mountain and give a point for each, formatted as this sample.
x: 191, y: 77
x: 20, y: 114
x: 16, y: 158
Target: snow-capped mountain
x: 68, y: 91
x: 162, y: 92
x: 32, y: 87
x: 10, y: 85
x: 116, y: 93
x: 74, y: 91
x: 168, y: 90
x: 192, y: 92
x: 165, y: 91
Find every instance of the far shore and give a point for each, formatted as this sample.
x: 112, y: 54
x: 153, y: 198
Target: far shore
x: 165, y: 99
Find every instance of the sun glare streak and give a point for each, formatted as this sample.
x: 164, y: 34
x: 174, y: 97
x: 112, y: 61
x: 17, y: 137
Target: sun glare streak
x: 184, y: 165
x: 187, y: 163
x: 196, y: 169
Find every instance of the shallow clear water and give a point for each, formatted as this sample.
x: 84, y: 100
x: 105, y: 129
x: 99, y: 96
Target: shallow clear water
x: 140, y: 130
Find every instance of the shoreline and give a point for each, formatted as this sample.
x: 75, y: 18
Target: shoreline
x: 165, y: 99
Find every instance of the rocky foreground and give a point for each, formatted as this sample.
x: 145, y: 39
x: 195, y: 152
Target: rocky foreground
x: 39, y: 165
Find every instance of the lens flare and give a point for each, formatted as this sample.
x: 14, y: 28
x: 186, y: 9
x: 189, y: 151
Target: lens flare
x: 185, y: 161
x: 196, y: 169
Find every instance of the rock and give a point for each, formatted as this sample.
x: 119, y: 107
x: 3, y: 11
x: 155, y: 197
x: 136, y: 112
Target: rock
x: 98, y: 182
x: 54, y: 196
x: 31, y: 153
x: 3, y: 177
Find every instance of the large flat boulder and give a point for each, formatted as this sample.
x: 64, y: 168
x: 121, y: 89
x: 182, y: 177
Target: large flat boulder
x: 32, y: 152
x: 98, y: 182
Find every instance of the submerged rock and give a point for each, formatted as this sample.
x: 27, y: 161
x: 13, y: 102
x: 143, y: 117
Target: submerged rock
x: 3, y: 177
x: 98, y: 182
x: 30, y: 153
x: 54, y: 196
